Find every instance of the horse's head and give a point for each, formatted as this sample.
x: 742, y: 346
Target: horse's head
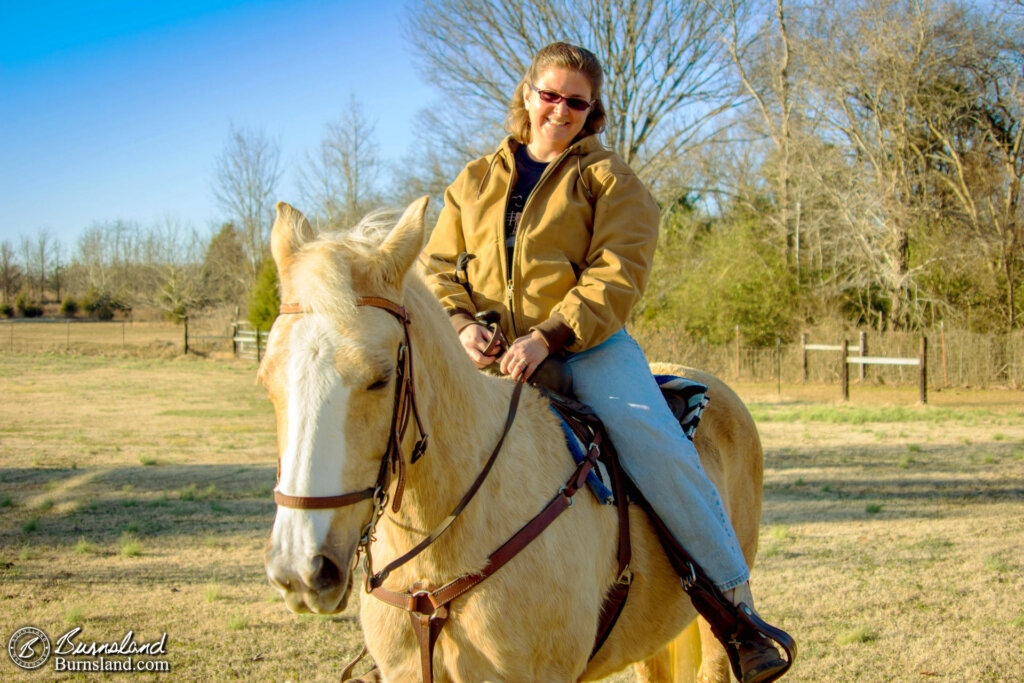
x: 331, y: 369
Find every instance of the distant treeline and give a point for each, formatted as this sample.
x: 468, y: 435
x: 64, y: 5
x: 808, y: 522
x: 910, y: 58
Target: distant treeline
x: 855, y: 163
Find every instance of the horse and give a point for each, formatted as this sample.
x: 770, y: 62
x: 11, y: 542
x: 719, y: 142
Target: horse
x: 349, y: 300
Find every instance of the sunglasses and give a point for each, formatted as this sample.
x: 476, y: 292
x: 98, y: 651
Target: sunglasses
x: 551, y: 97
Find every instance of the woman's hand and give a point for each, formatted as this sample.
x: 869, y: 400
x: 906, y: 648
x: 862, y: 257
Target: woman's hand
x: 523, y: 357
x: 475, y: 339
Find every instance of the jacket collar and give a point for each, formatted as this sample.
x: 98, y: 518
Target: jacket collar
x: 507, y: 153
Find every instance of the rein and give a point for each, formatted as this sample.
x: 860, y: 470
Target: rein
x: 426, y: 604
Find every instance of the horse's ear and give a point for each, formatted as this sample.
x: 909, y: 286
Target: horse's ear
x: 403, y: 245
x: 291, y: 231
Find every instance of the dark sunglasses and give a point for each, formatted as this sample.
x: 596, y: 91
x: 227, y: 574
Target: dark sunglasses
x: 551, y: 97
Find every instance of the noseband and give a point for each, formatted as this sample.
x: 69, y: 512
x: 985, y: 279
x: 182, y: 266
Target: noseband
x: 392, y: 463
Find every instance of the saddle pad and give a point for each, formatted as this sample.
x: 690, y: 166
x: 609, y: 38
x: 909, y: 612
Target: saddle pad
x: 686, y: 398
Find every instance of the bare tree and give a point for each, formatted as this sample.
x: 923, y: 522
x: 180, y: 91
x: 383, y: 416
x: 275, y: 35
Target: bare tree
x: 172, y: 258
x: 10, y: 271
x: 339, y: 181
x: 247, y: 172
x: 873, y: 62
x: 667, y: 76
x: 763, y: 65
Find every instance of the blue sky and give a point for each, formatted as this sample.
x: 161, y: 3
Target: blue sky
x: 118, y: 110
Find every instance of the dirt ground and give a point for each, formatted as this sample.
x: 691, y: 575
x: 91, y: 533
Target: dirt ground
x: 135, y: 496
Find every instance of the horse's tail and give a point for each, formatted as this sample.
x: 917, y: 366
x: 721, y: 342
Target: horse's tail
x: 677, y: 662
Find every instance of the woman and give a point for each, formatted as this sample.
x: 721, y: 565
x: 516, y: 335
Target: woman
x: 561, y: 235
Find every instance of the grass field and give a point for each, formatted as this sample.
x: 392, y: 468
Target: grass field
x: 135, y: 495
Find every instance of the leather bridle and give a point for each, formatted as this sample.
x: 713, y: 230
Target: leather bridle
x: 392, y: 462
x: 426, y: 604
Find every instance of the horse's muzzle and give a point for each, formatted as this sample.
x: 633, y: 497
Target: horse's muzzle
x: 320, y: 585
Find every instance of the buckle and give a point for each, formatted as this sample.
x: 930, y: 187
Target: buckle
x: 625, y: 577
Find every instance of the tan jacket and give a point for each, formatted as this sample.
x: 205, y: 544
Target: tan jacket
x: 582, y: 254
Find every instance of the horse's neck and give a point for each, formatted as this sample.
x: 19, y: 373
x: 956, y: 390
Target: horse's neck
x: 463, y: 411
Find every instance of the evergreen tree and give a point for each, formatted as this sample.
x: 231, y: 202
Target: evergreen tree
x: 265, y: 300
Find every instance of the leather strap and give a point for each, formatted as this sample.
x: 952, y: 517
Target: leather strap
x: 429, y: 608
x: 321, y: 502
x: 378, y: 578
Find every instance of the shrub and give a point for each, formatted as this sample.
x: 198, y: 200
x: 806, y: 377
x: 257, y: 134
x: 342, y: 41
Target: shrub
x: 6, y: 310
x: 103, y: 305
x: 68, y: 307
x: 25, y: 307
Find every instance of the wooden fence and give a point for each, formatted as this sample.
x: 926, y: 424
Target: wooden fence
x: 957, y: 358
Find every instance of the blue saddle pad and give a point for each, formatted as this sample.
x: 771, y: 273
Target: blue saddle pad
x: 694, y: 396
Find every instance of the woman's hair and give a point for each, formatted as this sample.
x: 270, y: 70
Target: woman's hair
x: 563, y: 56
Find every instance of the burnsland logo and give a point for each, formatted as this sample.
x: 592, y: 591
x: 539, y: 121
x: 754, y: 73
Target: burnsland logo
x: 30, y: 648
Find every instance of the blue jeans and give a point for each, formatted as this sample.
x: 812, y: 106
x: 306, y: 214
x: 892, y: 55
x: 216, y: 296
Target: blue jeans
x: 615, y: 380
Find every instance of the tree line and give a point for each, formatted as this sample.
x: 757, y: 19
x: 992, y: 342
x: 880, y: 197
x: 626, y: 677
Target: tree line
x: 849, y: 161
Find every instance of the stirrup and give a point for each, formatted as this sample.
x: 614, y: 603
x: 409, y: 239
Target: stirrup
x: 753, y: 651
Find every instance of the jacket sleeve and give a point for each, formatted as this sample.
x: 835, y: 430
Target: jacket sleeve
x: 440, y: 254
x: 625, y: 235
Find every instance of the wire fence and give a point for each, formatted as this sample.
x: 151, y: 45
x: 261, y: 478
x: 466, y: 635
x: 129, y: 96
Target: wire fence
x: 956, y: 358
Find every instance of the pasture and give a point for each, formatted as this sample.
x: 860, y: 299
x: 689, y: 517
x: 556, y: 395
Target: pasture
x: 135, y: 495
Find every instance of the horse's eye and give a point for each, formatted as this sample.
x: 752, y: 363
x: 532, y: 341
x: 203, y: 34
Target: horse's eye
x: 379, y: 384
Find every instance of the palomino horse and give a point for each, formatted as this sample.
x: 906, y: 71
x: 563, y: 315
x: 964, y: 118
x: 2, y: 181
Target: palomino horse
x: 337, y: 384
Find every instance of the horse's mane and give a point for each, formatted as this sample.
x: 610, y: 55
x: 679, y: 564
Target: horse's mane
x: 327, y: 268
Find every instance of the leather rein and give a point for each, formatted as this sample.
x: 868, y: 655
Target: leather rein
x: 426, y: 604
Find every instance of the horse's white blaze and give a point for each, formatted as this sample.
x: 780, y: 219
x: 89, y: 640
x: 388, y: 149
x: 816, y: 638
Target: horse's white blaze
x: 314, y: 456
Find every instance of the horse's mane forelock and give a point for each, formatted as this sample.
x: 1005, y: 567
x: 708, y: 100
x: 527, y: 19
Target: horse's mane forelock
x: 324, y: 282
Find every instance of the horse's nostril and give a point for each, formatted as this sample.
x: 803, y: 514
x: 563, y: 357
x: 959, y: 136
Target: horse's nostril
x: 326, y: 573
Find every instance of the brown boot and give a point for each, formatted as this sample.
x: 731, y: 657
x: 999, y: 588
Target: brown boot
x: 760, y: 660
x: 758, y: 657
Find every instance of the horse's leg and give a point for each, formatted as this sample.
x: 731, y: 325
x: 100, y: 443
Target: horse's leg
x: 714, y: 666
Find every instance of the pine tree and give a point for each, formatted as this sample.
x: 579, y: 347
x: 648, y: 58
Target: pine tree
x: 265, y: 300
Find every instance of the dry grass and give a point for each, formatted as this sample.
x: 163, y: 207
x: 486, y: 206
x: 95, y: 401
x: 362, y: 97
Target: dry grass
x: 174, y: 459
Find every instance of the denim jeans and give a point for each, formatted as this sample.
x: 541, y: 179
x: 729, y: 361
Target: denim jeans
x: 615, y: 380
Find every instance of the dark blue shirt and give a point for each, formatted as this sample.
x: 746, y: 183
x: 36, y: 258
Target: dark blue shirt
x: 528, y: 172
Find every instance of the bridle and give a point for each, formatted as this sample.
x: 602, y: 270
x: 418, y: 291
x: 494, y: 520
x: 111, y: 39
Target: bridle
x: 426, y: 604
x: 392, y: 463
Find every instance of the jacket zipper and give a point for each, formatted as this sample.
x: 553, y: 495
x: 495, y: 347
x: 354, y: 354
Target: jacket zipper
x: 510, y: 267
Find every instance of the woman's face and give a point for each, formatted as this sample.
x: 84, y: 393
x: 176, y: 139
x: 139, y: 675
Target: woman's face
x: 554, y: 126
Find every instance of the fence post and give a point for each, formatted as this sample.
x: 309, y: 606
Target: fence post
x: 186, y: 334
x: 863, y: 352
x: 942, y: 340
x: 122, y: 333
x: 803, y: 349
x: 12, y: 336
x: 924, y: 369
x: 737, y: 352
x: 845, y: 371
x: 259, y: 355
x: 234, y: 344
x: 778, y: 363
x: 68, y: 340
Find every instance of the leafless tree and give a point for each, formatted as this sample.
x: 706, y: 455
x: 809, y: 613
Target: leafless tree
x: 873, y: 61
x: 10, y: 271
x: 667, y: 76
x: 339, y: 181
x: 172, y: 258
x: 107, y: 256
x: 247, y: 172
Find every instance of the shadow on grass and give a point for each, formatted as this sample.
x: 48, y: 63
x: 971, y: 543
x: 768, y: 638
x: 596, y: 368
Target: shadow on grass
x: 54, y: 507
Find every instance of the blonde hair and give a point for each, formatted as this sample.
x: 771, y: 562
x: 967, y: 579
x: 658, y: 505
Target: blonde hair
x: 563, y: 56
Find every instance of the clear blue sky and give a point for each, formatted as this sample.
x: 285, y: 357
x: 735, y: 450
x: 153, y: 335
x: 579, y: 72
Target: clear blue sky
x: 118, y: 110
